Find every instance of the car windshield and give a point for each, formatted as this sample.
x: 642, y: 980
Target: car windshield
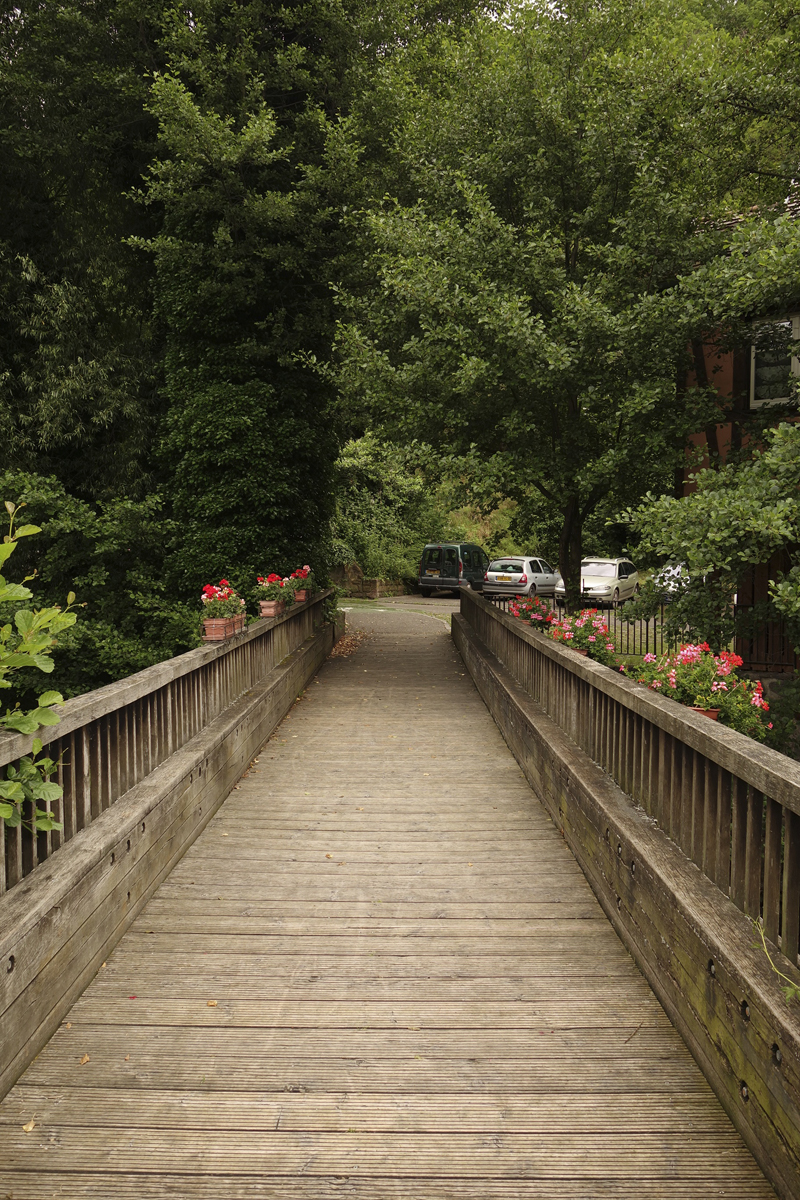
x: 605, y: 570
x: 505, y: 564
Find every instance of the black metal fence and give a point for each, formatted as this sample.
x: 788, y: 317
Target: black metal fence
x: 630, y: 638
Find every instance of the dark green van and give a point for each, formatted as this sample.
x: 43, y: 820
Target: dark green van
x: 448, y: 566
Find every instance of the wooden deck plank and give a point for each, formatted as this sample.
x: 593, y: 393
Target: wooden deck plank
x: 437, y: 1012
x: 413, y: 1113
x: 148, y: 1069
x: 588, y: 1013
x: 176, y: 1186
x: 519, y: 1156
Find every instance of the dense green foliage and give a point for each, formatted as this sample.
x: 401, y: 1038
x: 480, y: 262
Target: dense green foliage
x: 536, y: 285
x: 111, y: 554
x: 738, y: 516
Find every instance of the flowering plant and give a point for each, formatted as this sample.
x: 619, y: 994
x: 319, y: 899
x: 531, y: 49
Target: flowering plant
x: 220, y: 600
x: 302, y: 578
x: 275, y: 587
x: 585, y: 630
x: 531, y: 608
x: 699, y: 678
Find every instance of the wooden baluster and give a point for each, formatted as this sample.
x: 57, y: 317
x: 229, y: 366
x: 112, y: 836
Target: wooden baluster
x: 70, y: 778
x: 117, y: 766
x: 710, y: 819
x: 790, y: 918
x: 14, y: 868
x: 698, y: 807
x: 755, y: 812
x: 647, y: 742
x: 738, y: 842
x: 674, y: 813
x: 609, y: 708
x: 773, y: 821
x: 684, y: 828
x: 83, y: 796
x: 97, y: 742
x: 723, y: 872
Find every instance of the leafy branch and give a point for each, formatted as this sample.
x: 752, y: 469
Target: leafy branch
x: 29, y: 642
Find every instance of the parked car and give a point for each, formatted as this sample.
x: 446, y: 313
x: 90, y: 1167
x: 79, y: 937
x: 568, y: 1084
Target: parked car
x: 448, y: 566
x: 605, y: 580
x: 519, y: 575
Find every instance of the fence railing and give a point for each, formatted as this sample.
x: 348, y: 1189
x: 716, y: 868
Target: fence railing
x: 731, y: 804
x: 110, y: 739
x: 629, y: 637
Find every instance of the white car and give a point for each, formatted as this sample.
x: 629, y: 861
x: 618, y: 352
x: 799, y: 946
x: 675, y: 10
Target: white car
x: 519, y: 575
x: 605, y: 580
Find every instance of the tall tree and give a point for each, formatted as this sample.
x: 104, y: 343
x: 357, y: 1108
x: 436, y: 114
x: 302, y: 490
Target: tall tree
x: 561, y: 169
x: 76, y: 353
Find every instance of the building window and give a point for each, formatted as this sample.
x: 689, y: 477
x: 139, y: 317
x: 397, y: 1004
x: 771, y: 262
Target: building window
x: 773, y: 367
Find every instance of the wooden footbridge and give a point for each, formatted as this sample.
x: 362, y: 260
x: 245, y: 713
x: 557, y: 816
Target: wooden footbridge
x: 376, y: 972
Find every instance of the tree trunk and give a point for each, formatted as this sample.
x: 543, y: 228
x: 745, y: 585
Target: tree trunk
x: 569, y: 552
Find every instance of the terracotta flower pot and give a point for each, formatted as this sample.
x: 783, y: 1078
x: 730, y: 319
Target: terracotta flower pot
x: 301, y: 594
x: 271, y: 608
x: 240, y: 621
x: 217, y: 629
x: 583, y: 653
x: 707, y: 712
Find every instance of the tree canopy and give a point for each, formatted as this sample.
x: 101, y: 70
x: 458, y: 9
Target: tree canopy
x: 534, y: 285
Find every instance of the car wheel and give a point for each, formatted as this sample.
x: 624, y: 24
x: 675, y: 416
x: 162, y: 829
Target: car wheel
x: 425, y: 592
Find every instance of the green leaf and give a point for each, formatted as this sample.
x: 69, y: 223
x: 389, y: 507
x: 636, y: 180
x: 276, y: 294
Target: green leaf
x: 24, y: 621
x: 11, y: 790
x: 26, y: 530
x: 10, y: 592
x: 22, y: 722
x: 45, y: 716
x: 48, y: 792
x: 6, y: 811
x: 43, y: 662
x: 46, y: 823
x: 48, y: 698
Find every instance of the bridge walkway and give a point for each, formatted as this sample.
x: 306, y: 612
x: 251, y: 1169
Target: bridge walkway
x: 377, y: 974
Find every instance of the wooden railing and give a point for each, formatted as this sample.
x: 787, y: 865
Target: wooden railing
x: 731, y: 804
x: 112, y: 738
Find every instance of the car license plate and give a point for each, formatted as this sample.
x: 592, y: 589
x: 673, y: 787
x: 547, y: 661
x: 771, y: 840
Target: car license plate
x: 429, y: 572
x: 504, y: 579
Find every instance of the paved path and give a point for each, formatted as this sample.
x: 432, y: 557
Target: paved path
x: 377, y: 974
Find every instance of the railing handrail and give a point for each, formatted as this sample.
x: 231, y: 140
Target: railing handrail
x: 108, y: 699
x: 761, y: 767
x: 109, y: 740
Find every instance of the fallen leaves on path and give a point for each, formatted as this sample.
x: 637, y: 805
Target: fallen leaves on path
x: 348, y: 643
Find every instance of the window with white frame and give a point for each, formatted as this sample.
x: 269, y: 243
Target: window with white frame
x: 774, y: 369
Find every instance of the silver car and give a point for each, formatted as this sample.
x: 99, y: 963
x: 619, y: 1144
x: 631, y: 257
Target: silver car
x: 605, y: 580
x: 519, y: 575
